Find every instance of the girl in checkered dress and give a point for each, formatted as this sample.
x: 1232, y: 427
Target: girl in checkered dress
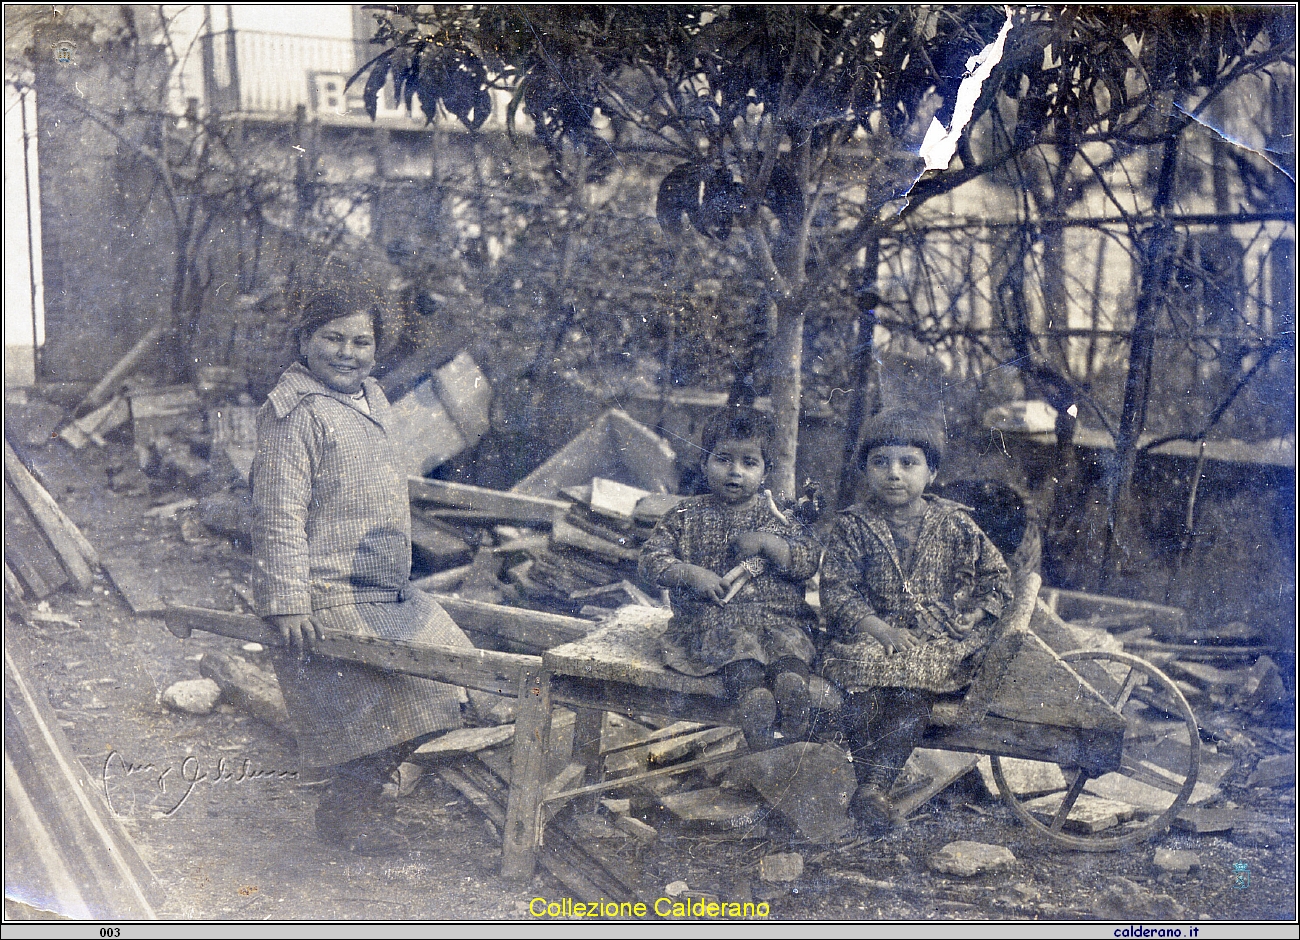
x: 332, y: 544
x: 735, y: 567
x: 912, y: 590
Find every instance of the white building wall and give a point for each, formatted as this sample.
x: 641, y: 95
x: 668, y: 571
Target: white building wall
x: 24, y: 331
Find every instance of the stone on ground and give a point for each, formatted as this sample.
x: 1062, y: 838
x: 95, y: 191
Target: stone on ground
x: 1122, y: 899
x: 808, y: 783
x: 786, y: 866
x: 971, y: 858
x: 192, y: 696
x: 1089, y: 813
x: 1178, y: 861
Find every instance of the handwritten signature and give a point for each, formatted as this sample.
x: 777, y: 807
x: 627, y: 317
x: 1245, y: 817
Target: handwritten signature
x: 187, y: 776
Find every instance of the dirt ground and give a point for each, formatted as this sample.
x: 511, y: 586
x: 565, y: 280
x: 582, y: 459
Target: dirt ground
x: 223, y: 847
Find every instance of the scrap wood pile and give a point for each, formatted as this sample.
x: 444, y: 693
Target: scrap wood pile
x: 581, y: 560
x: 1225, y: 668
x: 44, y: 550
x: 564, y: 539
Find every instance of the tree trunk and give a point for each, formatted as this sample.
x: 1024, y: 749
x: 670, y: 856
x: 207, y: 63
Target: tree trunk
x: 787, y: 391
x: 1157, y: 264
x: 865, y: 385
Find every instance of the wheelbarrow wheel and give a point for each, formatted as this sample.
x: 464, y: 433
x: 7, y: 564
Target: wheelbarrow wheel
x: 1154, y: 755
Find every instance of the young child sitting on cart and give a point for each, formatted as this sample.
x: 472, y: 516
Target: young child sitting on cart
x: 735, y: 567
x: 911, y: 589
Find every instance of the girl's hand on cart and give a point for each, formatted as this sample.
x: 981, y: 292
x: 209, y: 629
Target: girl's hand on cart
x: 893, y: 639
x: 298, y: 632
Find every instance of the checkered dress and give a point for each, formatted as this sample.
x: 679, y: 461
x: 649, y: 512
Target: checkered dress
x: 768, y: 620
x: 954, y: 568
x: 331, y: 539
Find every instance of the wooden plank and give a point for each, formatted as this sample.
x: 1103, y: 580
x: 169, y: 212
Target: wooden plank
x: 486, y: 670
x: 167, y: 402
x: 108, y: 418
x: 676, y: 748
x: 614, y: 499
x: 1082, y: 606
x: 713, y: 806
x: 531, y: 627
x: 51, y: 523
x: 464, y: 741
x: 532, y: 731
x: 103, y: 419
x: 650, y: 509
x: 941, y: 768
x: 26, y: 551
x: 13, y: 589
x: 1097, y: 751
x: 422, y: 433
x: 466, y: 394
x: 584, y: 457
x: 443, y: 580
x: 139, y: 588
x: 628, y: 699
x: 502, y: 506
x: 564, y: 532
x: 651, y: 463
x: 435, y: 547
x: 124, y: 366
x: 628, y: 651
x: 96, y: 871
x: 157, y: 415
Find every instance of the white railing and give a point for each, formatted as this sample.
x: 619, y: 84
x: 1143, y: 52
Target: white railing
x: 275, y: 73
x: 275, y: 70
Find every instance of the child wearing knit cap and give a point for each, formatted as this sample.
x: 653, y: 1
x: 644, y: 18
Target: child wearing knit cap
x: 911, y: 588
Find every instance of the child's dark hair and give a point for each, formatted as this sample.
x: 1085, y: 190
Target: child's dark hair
x: 740, y: 424
x: 903, y: 427
x: 328, y: 305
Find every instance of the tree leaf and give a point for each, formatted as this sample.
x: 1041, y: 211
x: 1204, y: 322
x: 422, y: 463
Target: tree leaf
x: 374, y: 84
x: 678, y: 193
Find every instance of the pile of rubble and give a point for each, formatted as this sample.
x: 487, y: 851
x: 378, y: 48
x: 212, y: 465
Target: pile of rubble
x: 44, y: 550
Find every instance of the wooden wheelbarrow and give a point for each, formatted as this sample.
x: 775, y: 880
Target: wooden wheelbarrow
x: 1113, y: 723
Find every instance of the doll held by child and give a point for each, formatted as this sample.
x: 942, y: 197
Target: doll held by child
x: 912, y: 590
x: 735, y: 567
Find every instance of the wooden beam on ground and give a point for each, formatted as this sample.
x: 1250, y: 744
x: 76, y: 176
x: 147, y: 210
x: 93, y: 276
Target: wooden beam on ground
x: 446, y: 580
x: 73, y: 858
x: 138, y: 587
x: 516, y: 508
x: 56, y: 527
x: 124, y: 366
x: 435, y: 547
x: 26, y: 551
